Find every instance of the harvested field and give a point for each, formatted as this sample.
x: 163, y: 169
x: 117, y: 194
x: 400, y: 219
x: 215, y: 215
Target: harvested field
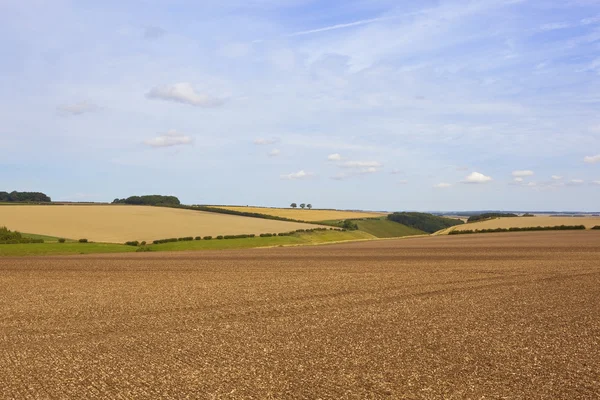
x: 120, y: 223
x: 526, y: 222
x: 478, y: 316
x: 306, y: 215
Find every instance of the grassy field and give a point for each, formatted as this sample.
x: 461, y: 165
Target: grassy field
x: 54, y: 248
x: 120, y: 223
x: 305, y: 215
x: 45, y: 238
x: 525, y: 222
x: 484, y: 316
x: 386, y: 229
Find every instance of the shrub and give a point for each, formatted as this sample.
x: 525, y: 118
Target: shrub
x: 207, y: 238
x: 83, y: 240
x: 143, y: 249
x: 220, y: 237
x: 596, y: 227
x: 133, y: 243
x: 198, y: 238
x: 61, y: 240
x: 143, y: 243
x: 185, y: 239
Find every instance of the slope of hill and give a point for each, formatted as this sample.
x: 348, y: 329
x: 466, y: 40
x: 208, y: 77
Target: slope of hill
x: 120, y: 223
x: 527, y: 222
x: 383, y: 228
x: 304, y: 215
x: 426, y: 222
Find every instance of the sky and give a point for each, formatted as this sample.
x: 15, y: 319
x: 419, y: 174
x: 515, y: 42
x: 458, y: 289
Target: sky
x: 351, y: 104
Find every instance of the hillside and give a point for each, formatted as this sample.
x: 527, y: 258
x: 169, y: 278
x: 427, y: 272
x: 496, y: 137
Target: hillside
x: 383, y: 228
x: 121, y: 223
x: 425, y: 222
x: 305, y: 215
x: 526, y: 222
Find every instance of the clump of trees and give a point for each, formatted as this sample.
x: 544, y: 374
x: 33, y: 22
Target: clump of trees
x: 517, y: 229
x: 302, y: 205
x: 14, y: 237
x: 423, y: 221
x: 596, y: 227
x: 24, y: 197
x: 484, y: 216
x: 149, y: 200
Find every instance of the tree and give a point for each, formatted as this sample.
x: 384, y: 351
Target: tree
x: 293, y: 205
x: 309, y: 206
x: 302, y: 205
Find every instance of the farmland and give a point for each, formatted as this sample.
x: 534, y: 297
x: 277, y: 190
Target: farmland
x: 477, y: 316
x: 120, y: 223
x: 526, y: 222
x: 305, y: 215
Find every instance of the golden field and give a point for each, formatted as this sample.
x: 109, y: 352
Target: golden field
x: 526, y: 222
x: 491, y: 316
x: 305, y: 215
x: 120, y: 223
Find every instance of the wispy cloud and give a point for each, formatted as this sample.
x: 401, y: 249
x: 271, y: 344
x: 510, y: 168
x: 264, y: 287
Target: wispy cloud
x: 297, y: 175
x: 592, y: 159
x: 79, y: 108
x: 274, y: 153
x: 184, y: 93
x: 339, y: 26
x: 334, y: 157
x: 442, y: 185
x: 169, y: 139
x: 522, y: 173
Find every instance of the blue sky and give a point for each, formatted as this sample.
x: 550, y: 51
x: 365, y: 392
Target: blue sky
x: 379, y: 104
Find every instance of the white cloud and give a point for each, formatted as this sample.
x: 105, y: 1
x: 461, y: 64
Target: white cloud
x: 169, y: 139
x: 577, y: 181
x: 334, y: 157
x: 274, y: 153
x: 596, y: 182
x: 554, y: 26
x: 442, y: 185
x: 361, y: 164
x: 297, y: 175
x: 518, y: 179
x: 477, y: 177
x: 183, y: 93
x: 77, y: 108
x: 522, y: 173
x: 557, y: 177
x: 592, y: 159
x: 263, y: 141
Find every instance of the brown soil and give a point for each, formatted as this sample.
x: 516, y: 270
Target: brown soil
x: 485, y: 316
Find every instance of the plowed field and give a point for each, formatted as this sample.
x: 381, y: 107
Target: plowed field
x: 450, y: 317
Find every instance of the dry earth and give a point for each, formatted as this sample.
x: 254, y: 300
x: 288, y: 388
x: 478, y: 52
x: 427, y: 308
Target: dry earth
x: 511, y: 316
x: 525, y: 222
x: 306, y: 215
x: 118, y: 223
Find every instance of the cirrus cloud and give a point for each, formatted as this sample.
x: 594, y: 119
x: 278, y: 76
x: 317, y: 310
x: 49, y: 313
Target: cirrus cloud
x: 169, y: 139
x: 184, y: 93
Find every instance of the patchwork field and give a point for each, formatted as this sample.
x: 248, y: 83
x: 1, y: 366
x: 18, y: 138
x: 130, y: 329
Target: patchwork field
x: 478, y: 316
x: 306, y: 215
x: 120, y: 223
x: 525, y: 222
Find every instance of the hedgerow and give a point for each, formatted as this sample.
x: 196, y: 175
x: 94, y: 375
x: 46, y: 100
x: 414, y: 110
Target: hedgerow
x: 517, y: 229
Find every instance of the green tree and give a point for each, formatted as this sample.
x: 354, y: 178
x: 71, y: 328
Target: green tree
x: 293, y: 205
x: 302, y: 205
x: 309, y: 206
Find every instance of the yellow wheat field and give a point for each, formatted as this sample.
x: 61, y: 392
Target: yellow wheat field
x: 306, y: 215
x: 526, y: 222
x: 120, y: 223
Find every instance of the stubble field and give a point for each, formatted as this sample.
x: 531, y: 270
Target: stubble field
x: 526, y: 222
x: 121, y: 223
x: 306, y: 215
x: 447, y: 317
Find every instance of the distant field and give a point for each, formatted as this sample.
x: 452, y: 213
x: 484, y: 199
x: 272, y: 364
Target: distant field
x: 117, y: 223
x: 306, y: 215
x: 387, y: 229
x: 526, y: 222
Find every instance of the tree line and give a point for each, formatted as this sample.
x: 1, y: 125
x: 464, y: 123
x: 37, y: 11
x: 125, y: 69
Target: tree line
x: 425, y: 222
x: 149, y: 200
x: 24, y: 197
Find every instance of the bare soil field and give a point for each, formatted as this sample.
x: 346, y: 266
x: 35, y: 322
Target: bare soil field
x: 525, y: 222
x: 120, y: 223
x: 449, y: 317
x: 306, y: 215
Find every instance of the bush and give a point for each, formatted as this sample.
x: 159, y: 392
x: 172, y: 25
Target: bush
x: 198, y: 238
x: 596, y: 227
x: 185, y: 239
x: 207, y: 238
x: 220, y: 237
x: 132, y: 243
x: 143, y: 249
x: 350, y: 225
x: 143, y: 243
x: 83, y: 241
x: 61, y: 240
x: 516, y: 229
